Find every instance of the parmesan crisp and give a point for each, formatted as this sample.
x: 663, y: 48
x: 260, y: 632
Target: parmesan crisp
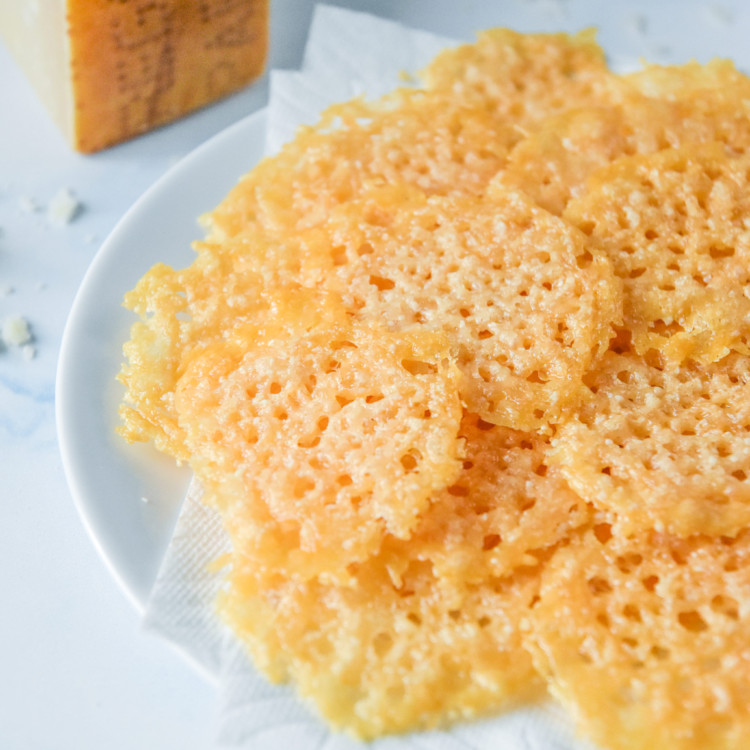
x: 465, y: 372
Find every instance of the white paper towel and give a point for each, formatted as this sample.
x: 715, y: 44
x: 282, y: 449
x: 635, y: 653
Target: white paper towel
x: 348, y: 54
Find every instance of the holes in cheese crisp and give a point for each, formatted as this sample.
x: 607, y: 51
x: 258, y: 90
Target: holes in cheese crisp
x: 599, y: 586
x: 274, y: 388
x: 587, y: 227
x: 338, y: 255
x: 631, y: 612
x: 628, y: 563
x: 651, y: 234
x: 302, y: 486
x: 740, y: 475
x: 491, y: 541
x: 458, y: 490
x: 725, y: 605
x: 343, y: 400
x: 650, y: 582
x: 309, y: 442
x: 692, y: 620
x: 659, y: 652
x: 373, y: 398
x: 481, y: 424
x: 641, y: 431
x: 365, y: 249
x: 382, y: 644
x: 310, y: 382
x: 411, y: 460
x: 654, y: 359
x: 537, y: 377
x: 414, y: 618
x: 541, y: 470
x: 636, y: 272
x: 585, y: 259
x: 485, y: 334
x: 342, y: 344
x: 381, y: 283
x: 418, y: 367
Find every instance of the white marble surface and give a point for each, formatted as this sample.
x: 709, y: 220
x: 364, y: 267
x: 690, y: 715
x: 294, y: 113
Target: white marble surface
x: 75, y: 669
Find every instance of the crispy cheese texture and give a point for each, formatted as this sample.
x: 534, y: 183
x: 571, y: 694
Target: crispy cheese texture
x: 646, y: 639
x: 465, y: 372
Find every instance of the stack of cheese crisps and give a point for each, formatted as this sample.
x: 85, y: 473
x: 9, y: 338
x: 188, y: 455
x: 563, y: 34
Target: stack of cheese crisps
x: 465, y: 371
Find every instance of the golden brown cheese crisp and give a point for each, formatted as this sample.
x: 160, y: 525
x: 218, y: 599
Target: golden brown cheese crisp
x: 663, y: 449
x: 379, y: 656
x: 654, y: 109
x: 675, y: 226
x: 646, y: 640
x: 313, y: 442
x: 432, y: 623
x: 523, y: 78
x: 501, y: 514
x: 449, y: 137
x: 412, y: 137
x: 428, y: 630
x: 526, y: 306
x: 465, y: 372
x: 181, y: 309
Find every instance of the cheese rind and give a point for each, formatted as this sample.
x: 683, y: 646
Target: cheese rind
x: 110, y: 70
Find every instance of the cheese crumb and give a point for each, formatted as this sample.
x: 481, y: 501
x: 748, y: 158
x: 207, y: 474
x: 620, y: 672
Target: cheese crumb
x: 16, y: 331
x: 64, y: 207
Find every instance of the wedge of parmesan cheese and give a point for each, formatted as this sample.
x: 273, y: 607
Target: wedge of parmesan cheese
x: 108, y: 70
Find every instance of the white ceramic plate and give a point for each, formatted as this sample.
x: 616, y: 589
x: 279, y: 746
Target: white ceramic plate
x: 129, y: 495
